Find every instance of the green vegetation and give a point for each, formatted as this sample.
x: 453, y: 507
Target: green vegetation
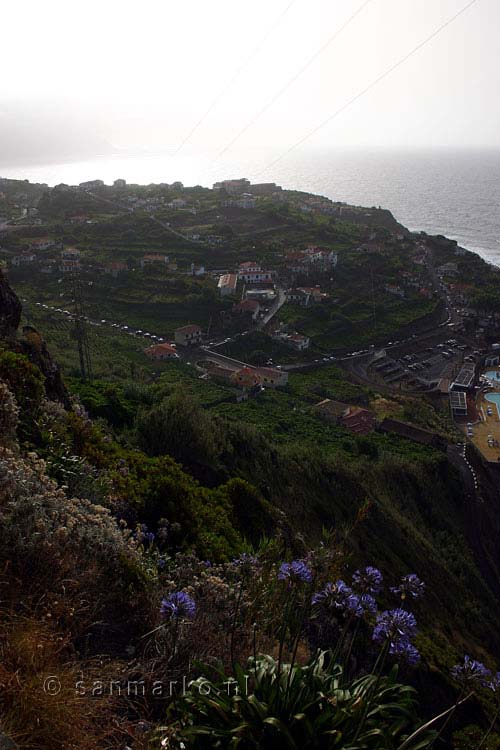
x: 149, y: 481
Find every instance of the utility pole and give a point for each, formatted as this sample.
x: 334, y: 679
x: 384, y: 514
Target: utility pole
x: 80, y: 331
x: 27, y: 313
x: 373, y: 301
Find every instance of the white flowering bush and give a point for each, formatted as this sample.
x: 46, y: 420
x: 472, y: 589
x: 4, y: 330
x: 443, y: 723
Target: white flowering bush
x: 9, y: 415
x: 46, y: 537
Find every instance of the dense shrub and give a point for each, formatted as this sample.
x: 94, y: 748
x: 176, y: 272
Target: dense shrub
x: 9, y: 416
x: 179, y: 427
x: 26, y: 383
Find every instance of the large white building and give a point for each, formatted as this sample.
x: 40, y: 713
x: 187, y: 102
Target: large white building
x: 252, y: 273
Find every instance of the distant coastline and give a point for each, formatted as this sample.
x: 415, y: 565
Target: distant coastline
x: 453, y: 193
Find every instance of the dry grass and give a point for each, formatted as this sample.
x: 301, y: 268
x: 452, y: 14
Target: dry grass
x: 35, y: 662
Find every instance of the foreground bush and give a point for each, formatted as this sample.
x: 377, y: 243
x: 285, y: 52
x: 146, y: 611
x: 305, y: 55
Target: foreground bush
x: 297, y: 707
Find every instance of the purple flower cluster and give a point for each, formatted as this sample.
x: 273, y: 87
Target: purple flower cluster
x: 410, y: 585
x: 334, y: 595
x: 294, y: 572
x: 341, y: 597
x: 398, y: 627
x: 471, y: 672
x: 363, y: 604
x: 143, y: 535
x: 178, y: 605
x: 394, y: 624
x: 367, y: 581
x: 403, y: 649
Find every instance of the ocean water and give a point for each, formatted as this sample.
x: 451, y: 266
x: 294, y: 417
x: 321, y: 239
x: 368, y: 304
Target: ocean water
x: 451, y: 192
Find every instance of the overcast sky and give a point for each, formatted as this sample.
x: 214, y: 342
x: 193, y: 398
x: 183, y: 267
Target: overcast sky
x: 80, y: 76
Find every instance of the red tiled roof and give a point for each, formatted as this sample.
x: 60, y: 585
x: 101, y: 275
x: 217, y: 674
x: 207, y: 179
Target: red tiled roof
x: 159, y: 348
x: 248, y: 304
x: 358, y: 420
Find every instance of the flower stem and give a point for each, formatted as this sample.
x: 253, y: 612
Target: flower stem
x: 233, y: 624
x: 427, y: 725
x: 380, y: 663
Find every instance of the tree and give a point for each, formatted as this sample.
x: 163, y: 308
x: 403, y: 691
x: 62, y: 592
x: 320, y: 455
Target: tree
x: 179, y: 427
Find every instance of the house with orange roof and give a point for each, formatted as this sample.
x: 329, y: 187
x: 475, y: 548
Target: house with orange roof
x: 247, y: 307
x: 251, y: 273
x: 114, y: 269
x: 245, y: 378
x: 161, y: 352
x: 272, y: 377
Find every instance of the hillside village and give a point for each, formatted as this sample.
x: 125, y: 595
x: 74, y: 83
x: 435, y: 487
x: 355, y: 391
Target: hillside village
x: 244, y: 365
x: 251, y: 283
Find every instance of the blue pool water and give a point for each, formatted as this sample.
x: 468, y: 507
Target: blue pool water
x: 494, y: 398
x: 494, y: 376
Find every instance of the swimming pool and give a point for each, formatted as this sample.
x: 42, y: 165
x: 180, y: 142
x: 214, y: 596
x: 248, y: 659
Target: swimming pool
x: 494, y: 398
x: 494, y: 376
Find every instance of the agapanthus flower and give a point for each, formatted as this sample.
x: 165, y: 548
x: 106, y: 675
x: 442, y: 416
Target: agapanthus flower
x: 143, y: 535
x: 394, y: 625
x: 297, y: 570
x: 367, y: 581
x: 178, y: 605
x: 397, y: 627
x: 410, y: 585
x: 339, y: 596
x: 494, y: 683
x: 403, y: 649
x: 471, y: 671
x: 362, y: 604
x: 334, y: 595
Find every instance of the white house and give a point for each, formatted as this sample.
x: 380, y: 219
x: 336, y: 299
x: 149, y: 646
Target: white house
x: 227, y: 284
x: 395, y: 290
x: 252, y: 273
x: 23, y: 259
x: 188, y: 335
x: 247, y: 200
x: 177, y: 203
x: 45, y: 243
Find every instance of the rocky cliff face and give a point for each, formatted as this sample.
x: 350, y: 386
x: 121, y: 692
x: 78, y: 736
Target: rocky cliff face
x: 31, y: 344
x: 10, y: 309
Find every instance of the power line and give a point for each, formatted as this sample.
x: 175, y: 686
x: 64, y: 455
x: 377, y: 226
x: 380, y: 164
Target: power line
x: 236, y: 75
x: 292, y: 80
x: 371, y: 85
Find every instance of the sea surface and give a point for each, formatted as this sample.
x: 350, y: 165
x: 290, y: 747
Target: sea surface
x: 451, y: 192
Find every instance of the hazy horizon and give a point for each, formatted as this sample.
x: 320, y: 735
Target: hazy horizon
x: 94, y: 79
